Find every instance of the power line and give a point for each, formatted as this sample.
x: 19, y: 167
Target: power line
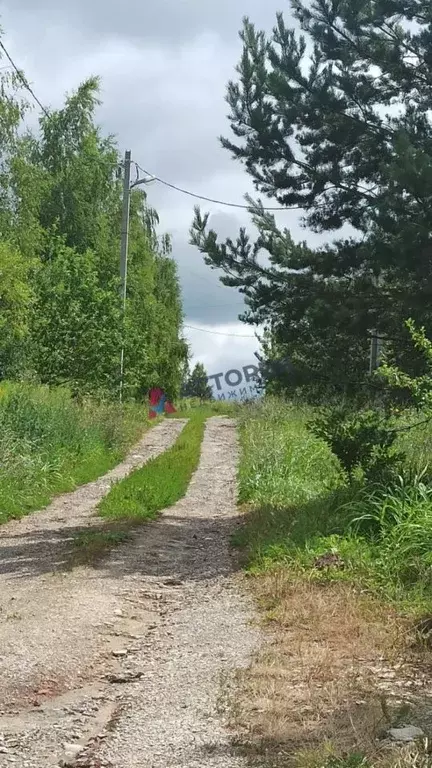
x: 24, y: 79
x: 28, y: 87
x: 215, y: 306
x: 219, y: 333
x: 213, y: 200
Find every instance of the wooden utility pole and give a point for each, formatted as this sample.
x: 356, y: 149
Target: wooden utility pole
x: 124, y: 254
x: 376, y: 338
x: 374, y: 352
x: 127, y: 189
x: 125, y: 227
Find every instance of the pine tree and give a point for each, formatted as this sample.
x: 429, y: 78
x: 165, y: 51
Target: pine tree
x: 197, y: 384
x: 335, y: 120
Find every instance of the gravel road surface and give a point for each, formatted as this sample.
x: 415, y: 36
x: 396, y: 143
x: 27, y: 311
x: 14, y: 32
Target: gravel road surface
x: 127, y: 664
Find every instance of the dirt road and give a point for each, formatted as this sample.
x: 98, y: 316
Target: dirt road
x: 122, y: 664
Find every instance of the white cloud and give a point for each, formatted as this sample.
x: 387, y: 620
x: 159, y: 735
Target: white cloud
x: 223, y: 349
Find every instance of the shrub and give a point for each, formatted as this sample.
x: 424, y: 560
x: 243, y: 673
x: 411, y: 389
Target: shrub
x: 361, y: 440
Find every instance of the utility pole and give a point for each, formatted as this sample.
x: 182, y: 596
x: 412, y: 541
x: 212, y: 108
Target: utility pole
x: 376, y: 339
x: 376, y: 349
x: 125, y: 227
x: 374, y: 352
x: 127, y: 188
x: 124, y: 253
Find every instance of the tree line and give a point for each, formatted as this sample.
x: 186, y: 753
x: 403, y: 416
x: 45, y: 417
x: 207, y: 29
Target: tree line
x: 61, y: 317
x: 334, y: 119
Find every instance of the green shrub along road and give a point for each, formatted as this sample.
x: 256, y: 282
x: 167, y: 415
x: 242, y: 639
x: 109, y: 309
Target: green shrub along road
x: 49, y: 444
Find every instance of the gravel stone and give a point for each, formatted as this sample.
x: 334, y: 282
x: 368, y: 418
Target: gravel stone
x: 171, y: 717
x: 406, y: 734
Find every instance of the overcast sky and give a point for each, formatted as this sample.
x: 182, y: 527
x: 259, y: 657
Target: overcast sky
x: 164, y: 66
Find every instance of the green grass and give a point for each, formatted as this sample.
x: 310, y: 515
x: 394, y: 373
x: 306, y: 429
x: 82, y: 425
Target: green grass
x: 188, y: 405
x: 162, y: 481
x: 49, y: 444
x: 281, y: 461
x: 300, y: 507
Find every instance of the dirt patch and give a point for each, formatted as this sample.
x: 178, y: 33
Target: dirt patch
x: 337, y: 671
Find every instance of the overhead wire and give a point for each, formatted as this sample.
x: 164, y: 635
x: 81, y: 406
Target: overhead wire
x: 215, y: 200
x: 219, y: 333
x: 28, y: 87
x: 215, y: 306
x: 23, y: 79
x: 168, y: 184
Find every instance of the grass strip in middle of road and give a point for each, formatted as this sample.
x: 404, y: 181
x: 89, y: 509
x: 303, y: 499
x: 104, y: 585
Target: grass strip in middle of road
x: 162, y: 481
x: 157, y: 485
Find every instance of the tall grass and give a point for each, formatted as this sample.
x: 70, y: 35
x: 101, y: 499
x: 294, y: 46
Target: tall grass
x: 301, y: 507
x: 50, y: 444
x: 281, y: 461
x: 397, y: 521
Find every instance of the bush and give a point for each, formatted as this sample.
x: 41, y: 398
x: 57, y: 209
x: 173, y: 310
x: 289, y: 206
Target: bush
x: 302, y: 507
x: 362, y: 440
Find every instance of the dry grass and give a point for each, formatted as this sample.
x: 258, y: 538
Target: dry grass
x: 338, y: 670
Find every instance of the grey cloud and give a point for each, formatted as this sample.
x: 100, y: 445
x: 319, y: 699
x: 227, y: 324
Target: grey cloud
x: 170, y: 22
x: 174, y: 140
x: 225, y: 224
x: 205, y: 300
x: 223, y: 354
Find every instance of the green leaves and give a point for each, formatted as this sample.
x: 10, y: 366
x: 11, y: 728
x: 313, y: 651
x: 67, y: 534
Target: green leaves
x: 418, y: 389
x: 60, y: 207
x: 16, y: 297
x: 335, y: 120
x: 76, y: 326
